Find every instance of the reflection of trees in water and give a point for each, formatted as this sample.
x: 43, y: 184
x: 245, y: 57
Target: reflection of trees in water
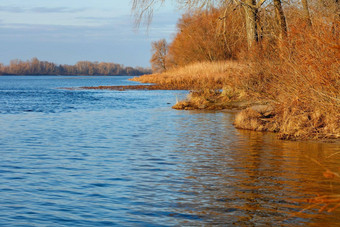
x: 261, y: 181
x: 244, y: 177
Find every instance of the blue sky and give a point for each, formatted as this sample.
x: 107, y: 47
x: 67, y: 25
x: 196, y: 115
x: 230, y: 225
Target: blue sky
x: 67, y: 31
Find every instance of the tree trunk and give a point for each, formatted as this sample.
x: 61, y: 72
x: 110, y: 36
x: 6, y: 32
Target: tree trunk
x: 251, y: 25
x: 336, y: 18
x: 306, y: 13
x: 281, y: 19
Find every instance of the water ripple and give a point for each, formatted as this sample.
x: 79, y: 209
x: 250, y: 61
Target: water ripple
x: 87, y: 158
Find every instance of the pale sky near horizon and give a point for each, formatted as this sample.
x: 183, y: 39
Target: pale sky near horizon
x: 67, y: 31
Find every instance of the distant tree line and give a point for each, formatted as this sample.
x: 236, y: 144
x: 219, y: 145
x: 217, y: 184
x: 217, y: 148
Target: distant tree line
x: 36, y: 67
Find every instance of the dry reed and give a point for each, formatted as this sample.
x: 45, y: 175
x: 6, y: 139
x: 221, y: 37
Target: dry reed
x: 300, y: 76
x: 197, y: 76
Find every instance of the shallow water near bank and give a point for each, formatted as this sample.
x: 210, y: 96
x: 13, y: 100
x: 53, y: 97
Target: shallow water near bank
x: 96, y: 157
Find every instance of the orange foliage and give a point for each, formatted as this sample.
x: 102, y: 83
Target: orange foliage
x: 299, y: 74
x: 304, y: 79
x: 209, y: 35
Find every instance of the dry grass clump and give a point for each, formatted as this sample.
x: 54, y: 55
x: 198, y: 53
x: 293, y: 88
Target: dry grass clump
x: 305, y: 121
x: 257, y: 118
x: 209, y: 99
x: 214, y: 99
x: 292, y: 123
x: 201, y: 99
x: 251, y: 120
x: 198, y: 76
x: 305, y: 81
x: 213, y: 85
x: 301, y: 75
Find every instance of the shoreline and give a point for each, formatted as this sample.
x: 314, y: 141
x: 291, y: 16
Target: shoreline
x: 123, y: 87
x: 129, y: 87
x: 254, y: 115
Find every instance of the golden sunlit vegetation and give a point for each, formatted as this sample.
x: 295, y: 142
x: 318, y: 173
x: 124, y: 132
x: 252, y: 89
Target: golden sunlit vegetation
x: 211, y: 75
x: 36, y: 67
x: 205, y: 36
x: 287, y: 62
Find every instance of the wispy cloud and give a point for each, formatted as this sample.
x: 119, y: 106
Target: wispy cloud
x: 56, y: 10
x: 17, y: 9
x: 94, y: 19
x: 110, y: 32
x: 12, y: 9
x: 64, y: 33
x: 78, y: 33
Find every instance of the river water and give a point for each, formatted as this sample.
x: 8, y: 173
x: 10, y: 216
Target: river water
x: 104, y: 158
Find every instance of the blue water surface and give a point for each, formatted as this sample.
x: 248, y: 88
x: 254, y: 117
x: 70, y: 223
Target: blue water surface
x: 104, y: 158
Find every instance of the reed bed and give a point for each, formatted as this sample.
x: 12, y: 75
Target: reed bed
x: 198, y: 76
x: 303, y: 86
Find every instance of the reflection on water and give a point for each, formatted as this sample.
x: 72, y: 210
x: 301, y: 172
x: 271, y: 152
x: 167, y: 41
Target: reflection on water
x: 247, y: 178
x: 126, y: 158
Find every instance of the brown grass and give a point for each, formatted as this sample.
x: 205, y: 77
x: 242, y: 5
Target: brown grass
x: 304, y: 85
x: 125, y: 87
x: 213, y: 85
x: 258, y: 118
x: 300, y: 76
x: 305, y: 80
x: 197, y: 76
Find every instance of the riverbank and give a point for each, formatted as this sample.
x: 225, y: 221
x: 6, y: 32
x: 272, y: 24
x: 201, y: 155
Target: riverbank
x: 295, y: 107
x: 121, y: 148
x: 124, y: 87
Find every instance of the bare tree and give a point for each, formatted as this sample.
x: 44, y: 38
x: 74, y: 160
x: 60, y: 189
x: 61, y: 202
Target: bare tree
x: 306, y: 13
x: 336, y: 18
x: 281, y: 19
x: 159, y: 55
x: 143, y: 10
x: 251, y: 11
